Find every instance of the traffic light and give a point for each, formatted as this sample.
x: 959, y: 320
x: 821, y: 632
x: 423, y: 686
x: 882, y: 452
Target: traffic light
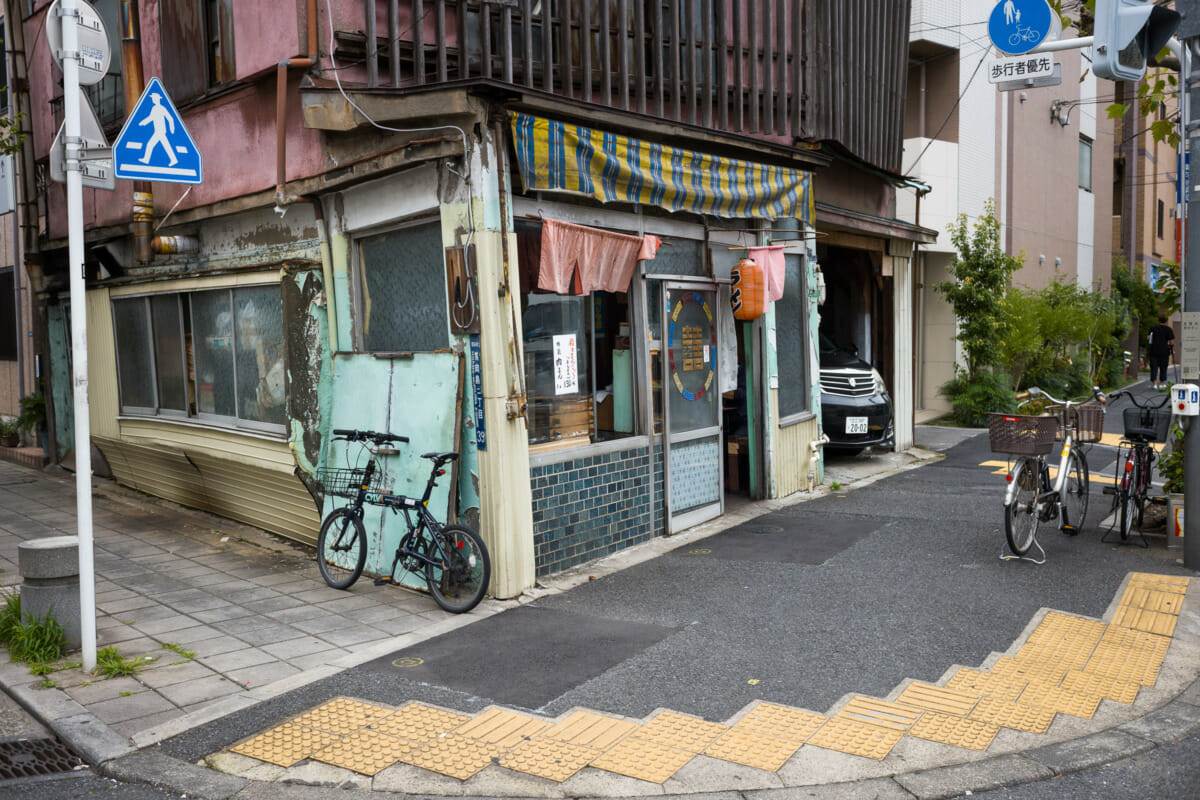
x: 1127, y: 33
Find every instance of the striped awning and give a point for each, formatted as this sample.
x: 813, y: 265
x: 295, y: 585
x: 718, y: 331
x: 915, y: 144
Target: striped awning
x: 556, y: 156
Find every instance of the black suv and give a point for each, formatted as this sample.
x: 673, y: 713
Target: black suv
x: 856, y: 409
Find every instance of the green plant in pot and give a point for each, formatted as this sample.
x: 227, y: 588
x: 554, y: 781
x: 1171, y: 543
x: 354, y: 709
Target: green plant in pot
x: 10, y: 432
x: 1170, y: 462
x: 33, y: 412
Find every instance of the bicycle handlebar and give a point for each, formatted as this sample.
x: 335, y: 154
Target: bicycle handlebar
x: 1133, y: 399
x: 368, y: 436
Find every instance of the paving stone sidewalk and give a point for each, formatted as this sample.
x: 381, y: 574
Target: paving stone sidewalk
x: 219, y: 615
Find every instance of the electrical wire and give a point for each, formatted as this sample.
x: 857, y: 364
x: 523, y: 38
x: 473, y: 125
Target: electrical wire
x: 949, y: 114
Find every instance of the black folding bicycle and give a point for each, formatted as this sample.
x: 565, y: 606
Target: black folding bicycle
x: 453, y: 558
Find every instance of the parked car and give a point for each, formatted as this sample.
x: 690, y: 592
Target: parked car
x: 856, y: 409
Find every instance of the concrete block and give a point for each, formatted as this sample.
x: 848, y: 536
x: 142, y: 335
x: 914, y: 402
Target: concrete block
x: 61, y: 601
x: 49, y: 558
x: 50, y: 570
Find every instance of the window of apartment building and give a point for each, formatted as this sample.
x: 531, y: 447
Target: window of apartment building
x: 1085, y: 163
x: 215, y: 356
x: 1160, y: 218
x: 791, y: 336
x: 197, y: 46
x: 8, y: 317
x: 106, y: 96
x: 579, y: 372
x: 402, y: 290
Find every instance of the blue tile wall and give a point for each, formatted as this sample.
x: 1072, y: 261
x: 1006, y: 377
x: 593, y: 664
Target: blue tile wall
x: 589, y: 507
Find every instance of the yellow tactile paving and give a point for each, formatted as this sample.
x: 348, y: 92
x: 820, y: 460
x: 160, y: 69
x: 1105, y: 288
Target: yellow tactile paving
x: 1177, y: 583
x: 742, y: 746
x: 1126, y: 654
x: 588, y: 729
x: 680, y: 731
x: 1032, y: 671
x: 1013, y: 715
x: 342, y: 715
x: 956, y: 731
x: 642, y: 759
x: 366, y: 751
x: 502, y: 727
x: 419, y: 723
x: 1143, y: 619
x: 1056, y: 698
x: 1140, y: 595
x: 926, y: 697
x: 781, y: 722
x: 285, y: 745
x: 861, y: 708
x: 1056, y: 626
x: 985, y: 684
x: 456, y: 756
x: 846, y: 735
x: 1110, y: 688
x: 549, y: 758
x: 1072, y: 655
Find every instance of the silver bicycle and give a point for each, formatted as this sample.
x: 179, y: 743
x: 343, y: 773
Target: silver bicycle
x: 1036, y: 492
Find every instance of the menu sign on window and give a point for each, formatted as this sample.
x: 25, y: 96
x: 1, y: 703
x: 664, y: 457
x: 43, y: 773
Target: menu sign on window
x: 566, y: 369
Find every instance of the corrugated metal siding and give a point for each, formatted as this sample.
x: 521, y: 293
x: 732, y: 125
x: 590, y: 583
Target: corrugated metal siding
x: 244, y: 478
x: 102, y: 356
x: 791, y: 453
x: 855, y: 74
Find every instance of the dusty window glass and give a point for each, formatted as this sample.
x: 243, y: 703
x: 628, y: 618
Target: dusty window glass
x: 212, y: 339
x: 403, y: 280
x: 557, y: 367
x: 169, y: 352
x: 260, y: 370
x: 791, y: 333
x: 1085, y: 163
x: 135, y: 359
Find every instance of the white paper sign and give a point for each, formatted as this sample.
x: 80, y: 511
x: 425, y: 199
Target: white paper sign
x: 1189, y: 346
x: 566, y: 370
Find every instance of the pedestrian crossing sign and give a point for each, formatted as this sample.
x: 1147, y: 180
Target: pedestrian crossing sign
x: 154, y: 145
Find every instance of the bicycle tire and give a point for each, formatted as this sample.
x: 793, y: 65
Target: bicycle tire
x: 1129, y: 490
x: 340, y: 560
x: 1021, y: 515
x: 460, y: 586
x: 1145, y: 485
x: 1075, y: 489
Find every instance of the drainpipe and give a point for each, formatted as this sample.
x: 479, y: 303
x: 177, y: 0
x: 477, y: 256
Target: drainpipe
x: 170, y: 245
x: 131, y: 66
x: 281, y: 73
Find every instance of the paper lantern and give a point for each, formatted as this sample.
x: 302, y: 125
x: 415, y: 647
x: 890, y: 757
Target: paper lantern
x: 748, y: 295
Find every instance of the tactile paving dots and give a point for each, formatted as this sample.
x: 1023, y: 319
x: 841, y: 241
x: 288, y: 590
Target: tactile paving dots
x: 419, y: 723
x: 549, y: 758
x: 967, y: 733
x: 647, y: 761
x: 752, y: 749
x: 781, y: 722
x: 342, y: 715
x: 285, y: 745
x: 680, y: 731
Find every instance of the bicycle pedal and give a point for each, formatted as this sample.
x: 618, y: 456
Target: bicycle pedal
x: 382, y: 581
x: 1070, y: 530
x: 1109, y: 490
x: 1158, y: 501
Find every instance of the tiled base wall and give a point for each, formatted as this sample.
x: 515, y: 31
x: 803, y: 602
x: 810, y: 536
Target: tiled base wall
x: 589, y: 507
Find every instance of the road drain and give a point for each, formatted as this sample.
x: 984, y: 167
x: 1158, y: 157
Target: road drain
x: 33, y: 757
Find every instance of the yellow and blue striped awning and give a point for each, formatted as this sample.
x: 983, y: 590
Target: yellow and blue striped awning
x: 556, y: 156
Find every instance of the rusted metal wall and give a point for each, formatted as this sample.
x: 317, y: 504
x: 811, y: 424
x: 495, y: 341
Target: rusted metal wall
x: 855, y: 74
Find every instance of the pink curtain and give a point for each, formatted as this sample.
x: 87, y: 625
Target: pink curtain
x: 577, y: 259
x: 772, y: 260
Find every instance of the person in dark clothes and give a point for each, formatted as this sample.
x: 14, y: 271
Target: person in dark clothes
x: 1160, y: 348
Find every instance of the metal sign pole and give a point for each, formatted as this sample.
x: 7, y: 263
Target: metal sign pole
x: 83, y: 438
x: 1191, y: 302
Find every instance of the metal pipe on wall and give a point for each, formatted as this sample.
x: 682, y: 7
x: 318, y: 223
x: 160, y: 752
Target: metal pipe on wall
x: 281, y: 73
x: 134, y: 83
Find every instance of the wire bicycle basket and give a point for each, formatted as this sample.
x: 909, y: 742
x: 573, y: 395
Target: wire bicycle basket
x: 1085, y: 421
x: 1151, y: 424
x: 1022, y: 435
x: 347, y: 481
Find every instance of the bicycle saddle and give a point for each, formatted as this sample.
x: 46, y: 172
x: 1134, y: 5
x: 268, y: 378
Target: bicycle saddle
x: 441, y: 458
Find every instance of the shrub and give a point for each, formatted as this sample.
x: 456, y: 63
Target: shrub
x: 974, y: 399
x: 37, y: 641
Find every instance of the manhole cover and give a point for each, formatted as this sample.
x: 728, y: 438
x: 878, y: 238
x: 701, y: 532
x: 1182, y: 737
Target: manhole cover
x: 762, y: 529
x: 30, y: 758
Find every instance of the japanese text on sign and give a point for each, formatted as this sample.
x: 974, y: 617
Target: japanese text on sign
x: 566, y: 370
x: 692, y: 341
x: 1008, y: 69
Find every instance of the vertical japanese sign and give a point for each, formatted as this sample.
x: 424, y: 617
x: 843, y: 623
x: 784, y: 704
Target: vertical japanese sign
x: 477, y: 393
x: 1189, y: 345
x: 566, y: 369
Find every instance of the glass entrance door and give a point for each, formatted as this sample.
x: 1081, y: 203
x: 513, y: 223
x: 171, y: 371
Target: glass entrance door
x: 692, y: 402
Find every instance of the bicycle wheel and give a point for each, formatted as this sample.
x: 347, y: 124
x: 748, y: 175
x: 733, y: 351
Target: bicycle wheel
x: 460, y: 582
x: 1147, y: 478
x: 1021, y: 515
x: 1075, y: 493
x: 341, y: 548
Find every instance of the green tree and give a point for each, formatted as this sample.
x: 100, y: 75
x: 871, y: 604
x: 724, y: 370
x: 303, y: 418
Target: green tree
x: 981, y: 273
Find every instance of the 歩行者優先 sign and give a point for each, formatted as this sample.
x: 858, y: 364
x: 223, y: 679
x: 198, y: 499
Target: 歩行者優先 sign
x: 1019, y: 67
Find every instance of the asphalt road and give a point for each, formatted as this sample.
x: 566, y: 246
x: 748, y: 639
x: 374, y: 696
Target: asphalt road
x: 851, y: 592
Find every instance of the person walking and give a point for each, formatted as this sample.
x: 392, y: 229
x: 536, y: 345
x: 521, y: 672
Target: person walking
x: 1160, y: 348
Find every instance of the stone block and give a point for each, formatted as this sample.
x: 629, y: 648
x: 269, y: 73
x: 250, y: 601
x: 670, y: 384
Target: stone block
x: 49, y: 558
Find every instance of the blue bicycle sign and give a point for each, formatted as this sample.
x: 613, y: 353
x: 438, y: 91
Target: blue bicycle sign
x: 1018, y: 26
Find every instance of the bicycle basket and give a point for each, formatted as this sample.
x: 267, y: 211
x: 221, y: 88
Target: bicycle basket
x: 345, y: 481
x: 1021, y: 435
x: 1150, y: 424
x: 1089, y: 423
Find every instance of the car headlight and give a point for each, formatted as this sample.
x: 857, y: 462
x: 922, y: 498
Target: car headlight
x: 880, y: 386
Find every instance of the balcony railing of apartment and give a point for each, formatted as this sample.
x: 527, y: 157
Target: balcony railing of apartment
x: 107, y: 98
x: 730, y: 65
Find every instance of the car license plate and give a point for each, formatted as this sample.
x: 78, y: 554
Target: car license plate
x: 856, y: 424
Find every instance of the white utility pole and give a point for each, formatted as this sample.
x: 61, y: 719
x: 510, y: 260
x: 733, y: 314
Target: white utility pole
x: 83, y: 434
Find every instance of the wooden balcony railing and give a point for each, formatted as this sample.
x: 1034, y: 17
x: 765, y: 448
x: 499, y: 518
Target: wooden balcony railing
x: 731, y: 65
